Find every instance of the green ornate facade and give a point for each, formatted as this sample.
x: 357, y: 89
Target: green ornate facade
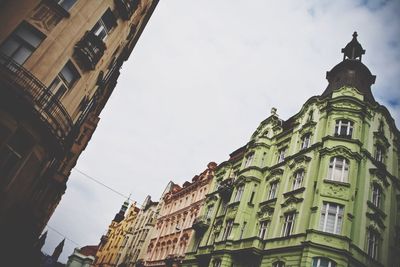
x: 319, y: 189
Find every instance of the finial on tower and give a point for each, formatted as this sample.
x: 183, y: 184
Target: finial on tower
x: 353, y: 50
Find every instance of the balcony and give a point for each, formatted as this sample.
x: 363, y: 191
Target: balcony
x: 126, y: 8
x: 200, y: 224
x: 27, y: 87
x: 225, y: 188
x: 89, y: 50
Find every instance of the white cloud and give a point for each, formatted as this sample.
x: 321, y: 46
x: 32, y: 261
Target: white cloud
x: 203, y: 76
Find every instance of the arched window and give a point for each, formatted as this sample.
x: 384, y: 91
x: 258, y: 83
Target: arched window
x: 344, y: 128
x: 298, y: 179
x: 338, y: 169
x: 323, y: 262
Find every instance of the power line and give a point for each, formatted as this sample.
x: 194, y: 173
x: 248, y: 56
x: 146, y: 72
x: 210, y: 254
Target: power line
x: 101, y: 183
x: 93, y: 179
x: 61, y: 234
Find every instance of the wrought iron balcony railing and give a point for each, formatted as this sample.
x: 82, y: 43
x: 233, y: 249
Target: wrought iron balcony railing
x: 201, y: 223
x: 28, y: 87
x: 126, y: 8
x: 89, y: 50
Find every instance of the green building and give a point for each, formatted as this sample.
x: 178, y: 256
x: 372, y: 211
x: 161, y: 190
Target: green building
x: 320, y: 189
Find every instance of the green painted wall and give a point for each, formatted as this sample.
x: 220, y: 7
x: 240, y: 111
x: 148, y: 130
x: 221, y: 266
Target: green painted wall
x: 372, y: 125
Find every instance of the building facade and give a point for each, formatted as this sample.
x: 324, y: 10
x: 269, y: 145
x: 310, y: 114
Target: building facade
x: 59, y: 63
x: 82, y: 257
x: 173, y: 230
x: 113, y: 245
x: 320, y: 189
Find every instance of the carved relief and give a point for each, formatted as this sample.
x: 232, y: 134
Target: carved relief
x: 45, y: 17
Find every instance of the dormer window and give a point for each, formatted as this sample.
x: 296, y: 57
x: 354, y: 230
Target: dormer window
x: 344, y: 128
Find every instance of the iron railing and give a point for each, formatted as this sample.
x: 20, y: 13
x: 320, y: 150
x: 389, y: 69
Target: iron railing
x: 27, y: 86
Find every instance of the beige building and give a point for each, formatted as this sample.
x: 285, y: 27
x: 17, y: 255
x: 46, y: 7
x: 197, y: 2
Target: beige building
x: 179, y: 209
x: 114, y: 243
x: 59, y: 63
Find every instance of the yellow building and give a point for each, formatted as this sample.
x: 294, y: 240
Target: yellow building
x: 113, y: 245
x: 59, y: 63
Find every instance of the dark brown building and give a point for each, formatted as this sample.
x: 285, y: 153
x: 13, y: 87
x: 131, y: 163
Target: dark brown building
x: 59, y: 63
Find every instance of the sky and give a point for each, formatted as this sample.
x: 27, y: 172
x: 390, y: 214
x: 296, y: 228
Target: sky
x: 202, y: 77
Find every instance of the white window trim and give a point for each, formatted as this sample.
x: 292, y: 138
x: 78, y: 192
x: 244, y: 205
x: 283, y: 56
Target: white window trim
x: 326, y: 205
x: 298, y: 180
x: 339, y: 124
x: 344, y: 165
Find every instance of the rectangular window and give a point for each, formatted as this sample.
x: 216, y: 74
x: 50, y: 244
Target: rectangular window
x: 228, y: 230
x: 239, y: 193
x: 22, y: 43
x: 249, y: 160
x: 217, y: 263
x: 331, y: 218
x: 105, y: 24
x: 288, y: 225
x: 376, y: 195
x: 338, y: 169
x: 262, y: 233
x: 66, y: 4
x: 65, y: 80
x: 12, y: 154
x: 305, y: 141
x: 209, y: 212
x: 373, y: 244
x: 242, y: 230
x: 344, y: 128
x: 281, y: 155
x: 379, y: 154
x: 273, y: 190
x: 298, y: 180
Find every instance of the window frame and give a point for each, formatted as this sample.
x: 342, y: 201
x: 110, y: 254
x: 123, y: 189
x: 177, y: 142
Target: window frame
x: 273, y: 190
x: 298, y: 179
x: 338, y: 217
x: 376, y: 195
x: 263, y: 229
x: 345, y: 169
x: 239, y: 193
x: 348, y: 125
x: 316, y: 262
x: 373, y: 238
x: 60, y: 86
x: 305, y: 141
x: 288, y: 224
x: 282, y: 154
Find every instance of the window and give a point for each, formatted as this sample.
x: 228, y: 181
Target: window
x: 12, y: 154
x: 239, y: 193
x: 104, y: 26
x: 278, y: 264
x: 66, y: 4
x: 209, y: 212
x: 249, y: 160
x: 228, y: 229
x: 253, y: 193
x: 331, y: 218
x: 379, y: 153
x: 373, y: 244
x: 22, y: 43
x: 310, y: 116
x: 338, y: 169
x: 281, y: 155
x: 288, y: 225
x: 224, y: 207
x: 65, y: 80
x: 217, y: 263
x: 262, y: 233
x: 322, y: 262
x: 305, y: 141
x: 344, y: 128
x: 242, y: 230
x: 298, y: 180
x: 376, y: 195
x: 273, y: 190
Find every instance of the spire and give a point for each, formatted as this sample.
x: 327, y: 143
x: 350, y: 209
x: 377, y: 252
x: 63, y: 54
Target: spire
x: 41, y: 241
x: 121, y: 214
x: 353, y: 50
x: 58, y: 250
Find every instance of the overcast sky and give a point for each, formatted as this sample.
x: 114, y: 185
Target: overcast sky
x: 202, y: 77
